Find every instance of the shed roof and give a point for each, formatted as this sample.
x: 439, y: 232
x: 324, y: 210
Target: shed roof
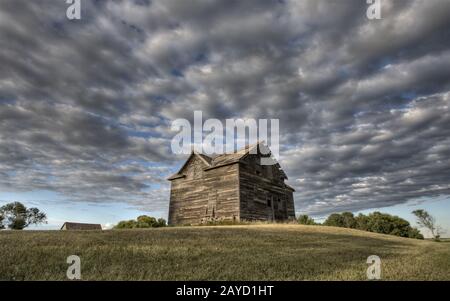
x: 81, y: 226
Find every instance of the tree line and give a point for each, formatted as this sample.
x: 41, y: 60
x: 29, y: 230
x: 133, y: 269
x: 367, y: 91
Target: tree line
x: 142, y: 221
x: 16, y: 216
x: 379, y: 223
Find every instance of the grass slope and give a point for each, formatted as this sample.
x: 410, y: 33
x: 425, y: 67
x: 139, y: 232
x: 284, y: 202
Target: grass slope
x: 259, y: 252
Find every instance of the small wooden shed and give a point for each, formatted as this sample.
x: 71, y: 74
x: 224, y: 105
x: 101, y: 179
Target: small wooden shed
x: 80, y: 226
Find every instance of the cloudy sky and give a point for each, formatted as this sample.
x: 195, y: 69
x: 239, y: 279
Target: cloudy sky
x: 86, y: 106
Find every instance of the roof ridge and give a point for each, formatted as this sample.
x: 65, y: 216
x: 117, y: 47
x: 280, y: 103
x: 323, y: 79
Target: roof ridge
x: 219, y: 160
x: 246, y: 147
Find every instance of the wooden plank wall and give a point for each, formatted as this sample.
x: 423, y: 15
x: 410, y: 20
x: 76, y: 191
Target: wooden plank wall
x: 204, y: 194
x: 240, y: 191
x: 263, y: 193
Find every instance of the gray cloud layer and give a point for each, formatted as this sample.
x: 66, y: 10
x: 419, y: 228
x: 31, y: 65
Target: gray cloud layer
x: 85, y: 106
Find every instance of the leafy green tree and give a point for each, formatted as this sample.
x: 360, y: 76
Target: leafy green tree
x: 375, y: 222
x: 362, y: 222
x: 345, y: 220
x: 126, y: 224
x: 426, y: 220
x: 145, y: 221
x: 1, y: 221
x: 304, y: 219
x: 415, y: 233
x: 335, y: 220
x: 384, y: 223
x: 18, y: 216
x: 349, y: 220
x: 142, y: 221
x: 162, y: 222
x: 379, y: 223
x: 389, y: 224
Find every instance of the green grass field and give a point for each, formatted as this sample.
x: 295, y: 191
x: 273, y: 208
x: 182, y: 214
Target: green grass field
x: 257, y: 252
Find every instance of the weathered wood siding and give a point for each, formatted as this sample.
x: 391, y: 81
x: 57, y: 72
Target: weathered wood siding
x: 204, y: 194
x: 263, y: 194
x: 231, y: 187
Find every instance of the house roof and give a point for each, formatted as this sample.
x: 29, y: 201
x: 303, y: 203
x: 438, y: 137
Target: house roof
x: 81, y: 226
x: 223, y: 159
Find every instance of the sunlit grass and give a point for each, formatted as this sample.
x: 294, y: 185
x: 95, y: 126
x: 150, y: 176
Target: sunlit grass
x: 256, y: 252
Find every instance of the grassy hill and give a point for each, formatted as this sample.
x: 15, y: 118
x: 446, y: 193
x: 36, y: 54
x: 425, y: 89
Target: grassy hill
x: 257, y: 252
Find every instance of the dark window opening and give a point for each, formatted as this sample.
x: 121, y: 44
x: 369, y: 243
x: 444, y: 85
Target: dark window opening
x: 269, y: 203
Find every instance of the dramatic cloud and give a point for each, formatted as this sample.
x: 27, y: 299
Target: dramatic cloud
x: 86, y: 106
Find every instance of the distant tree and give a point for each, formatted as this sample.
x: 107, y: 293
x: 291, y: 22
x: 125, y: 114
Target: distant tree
x: 362, y: 222
x: 388, y: 224
x: 415, y: 233
x: 162, y: 222
x: 18, y: 216
x: 393, y: 225
x: 304, y: 219
x: 345, y: 220
x: 1, y: 221
x: 375, y: 222
x: 335, y: 220
x: 379, y: 223
x: 126, y: 224
x: 349, y: 220
x: 142, y: 221
x: 426, y: 220
x: 145, y: 221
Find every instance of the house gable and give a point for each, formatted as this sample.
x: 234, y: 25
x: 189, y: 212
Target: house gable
x: 193, y: 167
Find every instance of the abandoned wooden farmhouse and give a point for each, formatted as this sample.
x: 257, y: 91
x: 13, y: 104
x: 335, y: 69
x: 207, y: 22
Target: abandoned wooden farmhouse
x: 233, y: 187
